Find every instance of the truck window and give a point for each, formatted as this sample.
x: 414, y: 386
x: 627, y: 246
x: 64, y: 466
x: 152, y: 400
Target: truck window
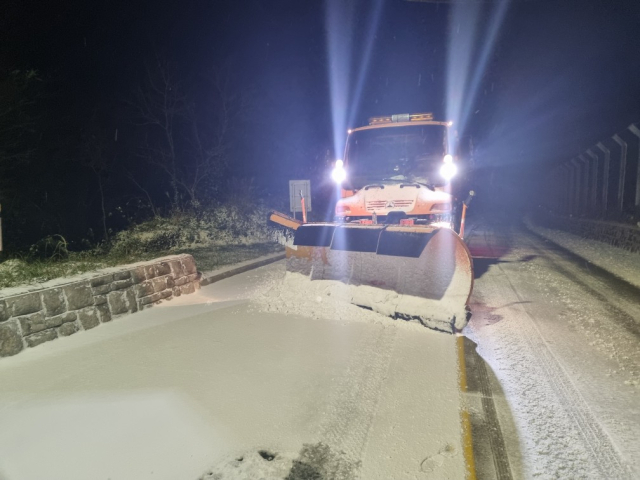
x: 409, y: 153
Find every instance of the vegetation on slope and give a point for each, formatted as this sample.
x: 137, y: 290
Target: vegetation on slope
x: 216, y: 236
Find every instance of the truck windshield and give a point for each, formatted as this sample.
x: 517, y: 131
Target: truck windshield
x: 410, y: 153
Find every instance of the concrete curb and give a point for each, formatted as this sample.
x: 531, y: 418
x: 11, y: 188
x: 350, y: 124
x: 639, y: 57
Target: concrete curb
x: 213, y: 276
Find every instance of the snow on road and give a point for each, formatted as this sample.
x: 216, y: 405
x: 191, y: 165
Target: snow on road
x: 233, y: 382
x: 563, y: 345
x: 619, y: 262
x: 258, y: 376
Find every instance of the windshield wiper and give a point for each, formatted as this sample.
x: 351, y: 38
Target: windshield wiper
x: 374, y: 185
x: 428, y: 185
x: 418, y: 185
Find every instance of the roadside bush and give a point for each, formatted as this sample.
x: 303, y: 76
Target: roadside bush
x: 52, y: 246
x: 225, y: 234
x: 223, y: 225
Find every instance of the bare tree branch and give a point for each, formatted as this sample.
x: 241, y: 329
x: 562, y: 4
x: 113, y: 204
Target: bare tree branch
x: 187, y: 141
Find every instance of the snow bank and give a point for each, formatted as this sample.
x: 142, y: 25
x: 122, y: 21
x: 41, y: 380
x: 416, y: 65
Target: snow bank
x: 617, y: 261
x: 295, y: 294
x: 332, y: 299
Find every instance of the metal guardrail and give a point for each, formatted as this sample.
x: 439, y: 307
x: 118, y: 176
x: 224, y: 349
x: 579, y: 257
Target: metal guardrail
x: 602, y: 182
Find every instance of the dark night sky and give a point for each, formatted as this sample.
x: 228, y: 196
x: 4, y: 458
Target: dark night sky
x: 561, y: 75
x: 558, y: 66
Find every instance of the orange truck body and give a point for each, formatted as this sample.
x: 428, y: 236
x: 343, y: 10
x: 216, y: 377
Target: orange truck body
x: 424, y: 204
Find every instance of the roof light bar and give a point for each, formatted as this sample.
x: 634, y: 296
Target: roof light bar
x: 401, y: 117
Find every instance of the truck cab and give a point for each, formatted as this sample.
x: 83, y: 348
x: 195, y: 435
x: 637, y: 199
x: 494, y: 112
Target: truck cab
x: 397, y: 169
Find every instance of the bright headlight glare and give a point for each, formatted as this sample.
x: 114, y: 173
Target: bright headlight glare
x: 448, y: 158
x: 339, y: 174
x: 448, y: 171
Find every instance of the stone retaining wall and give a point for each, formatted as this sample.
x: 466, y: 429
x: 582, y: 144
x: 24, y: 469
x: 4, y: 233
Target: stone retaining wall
x: 616, y: 234
x: 36, y: 314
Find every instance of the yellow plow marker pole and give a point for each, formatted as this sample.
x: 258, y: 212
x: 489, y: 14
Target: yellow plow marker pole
x: 464, y: 214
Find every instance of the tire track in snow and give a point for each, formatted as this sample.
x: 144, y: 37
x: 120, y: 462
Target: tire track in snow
x: 607, y: 459
x: 606, y: 287
x: 477, y: 372
x: 355, y: 399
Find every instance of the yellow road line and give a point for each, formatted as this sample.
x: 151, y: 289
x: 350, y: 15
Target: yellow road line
x: 467, y: 441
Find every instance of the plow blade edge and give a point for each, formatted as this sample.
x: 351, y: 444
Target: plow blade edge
x: 409, y: 272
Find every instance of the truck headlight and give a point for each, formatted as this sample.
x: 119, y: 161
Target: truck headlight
x: 339, y: 173
x: 448, y: 170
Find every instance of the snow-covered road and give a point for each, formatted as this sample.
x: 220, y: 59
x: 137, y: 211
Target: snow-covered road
x: 258, y: 376
x: 561, y: 343
x: 236, y: 382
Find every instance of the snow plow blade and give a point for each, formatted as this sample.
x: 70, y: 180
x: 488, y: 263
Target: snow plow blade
x: 408, y: 272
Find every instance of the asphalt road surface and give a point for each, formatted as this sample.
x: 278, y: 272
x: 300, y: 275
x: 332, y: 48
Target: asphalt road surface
x: 557, y: 361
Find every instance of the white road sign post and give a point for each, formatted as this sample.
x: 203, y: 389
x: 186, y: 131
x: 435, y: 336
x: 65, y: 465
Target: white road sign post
x: 300, y: 197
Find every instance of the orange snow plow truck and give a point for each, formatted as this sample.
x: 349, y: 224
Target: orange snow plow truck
x: 392, y: 243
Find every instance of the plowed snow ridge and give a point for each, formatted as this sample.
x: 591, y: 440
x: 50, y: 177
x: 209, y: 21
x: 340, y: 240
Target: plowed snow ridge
x: 618, y: 261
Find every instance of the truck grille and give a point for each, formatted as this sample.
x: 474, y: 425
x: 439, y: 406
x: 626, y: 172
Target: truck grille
x: 385, y: 204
